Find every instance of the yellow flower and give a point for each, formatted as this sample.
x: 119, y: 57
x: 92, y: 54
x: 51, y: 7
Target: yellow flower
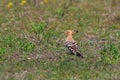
x: 10, y: 4
x: 45, y: 1
x: 23, y: 2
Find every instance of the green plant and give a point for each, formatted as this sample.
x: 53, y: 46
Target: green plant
x: 38, y: 28
x: 83, y: 20
x: 29, y: 76
x: 118, y: 34
x: 8, y: 41
x: 2, y: 51
x: 26, y: 46
x: 50, y: 38
x: 59, y: 11
x: 48, y: 35
x: 110, y: 53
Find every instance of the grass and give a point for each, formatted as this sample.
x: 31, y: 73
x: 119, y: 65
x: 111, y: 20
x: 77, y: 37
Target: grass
x: 32, y: 40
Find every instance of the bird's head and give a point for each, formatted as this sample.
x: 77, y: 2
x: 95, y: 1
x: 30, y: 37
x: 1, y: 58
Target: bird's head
x: 69, y: 32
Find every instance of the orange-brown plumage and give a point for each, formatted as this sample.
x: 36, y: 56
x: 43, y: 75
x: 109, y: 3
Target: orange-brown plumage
x: 71, y: 44
x: 69, y: 34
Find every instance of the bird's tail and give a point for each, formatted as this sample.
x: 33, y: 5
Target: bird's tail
x: 79, y: 55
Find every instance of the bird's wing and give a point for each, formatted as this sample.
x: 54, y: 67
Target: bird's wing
x: 73, y: 47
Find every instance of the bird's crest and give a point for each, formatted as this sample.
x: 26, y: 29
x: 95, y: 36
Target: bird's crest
x: 69, y: 32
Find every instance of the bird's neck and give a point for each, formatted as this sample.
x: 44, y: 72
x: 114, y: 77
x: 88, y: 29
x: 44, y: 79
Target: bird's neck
x: 70, y: 38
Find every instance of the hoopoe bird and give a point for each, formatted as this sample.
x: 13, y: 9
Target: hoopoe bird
x: 71, y: 44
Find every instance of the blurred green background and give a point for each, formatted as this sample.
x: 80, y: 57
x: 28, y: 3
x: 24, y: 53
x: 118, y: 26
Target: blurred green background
x: 32, y: 39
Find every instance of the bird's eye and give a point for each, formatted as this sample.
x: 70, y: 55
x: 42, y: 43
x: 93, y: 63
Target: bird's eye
x: 76, y: 31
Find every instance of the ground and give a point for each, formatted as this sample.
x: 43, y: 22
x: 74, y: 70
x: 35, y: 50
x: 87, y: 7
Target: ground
x: 32, y: 39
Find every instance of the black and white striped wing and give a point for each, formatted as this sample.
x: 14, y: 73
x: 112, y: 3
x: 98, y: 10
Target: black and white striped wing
x: 73, y: 47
